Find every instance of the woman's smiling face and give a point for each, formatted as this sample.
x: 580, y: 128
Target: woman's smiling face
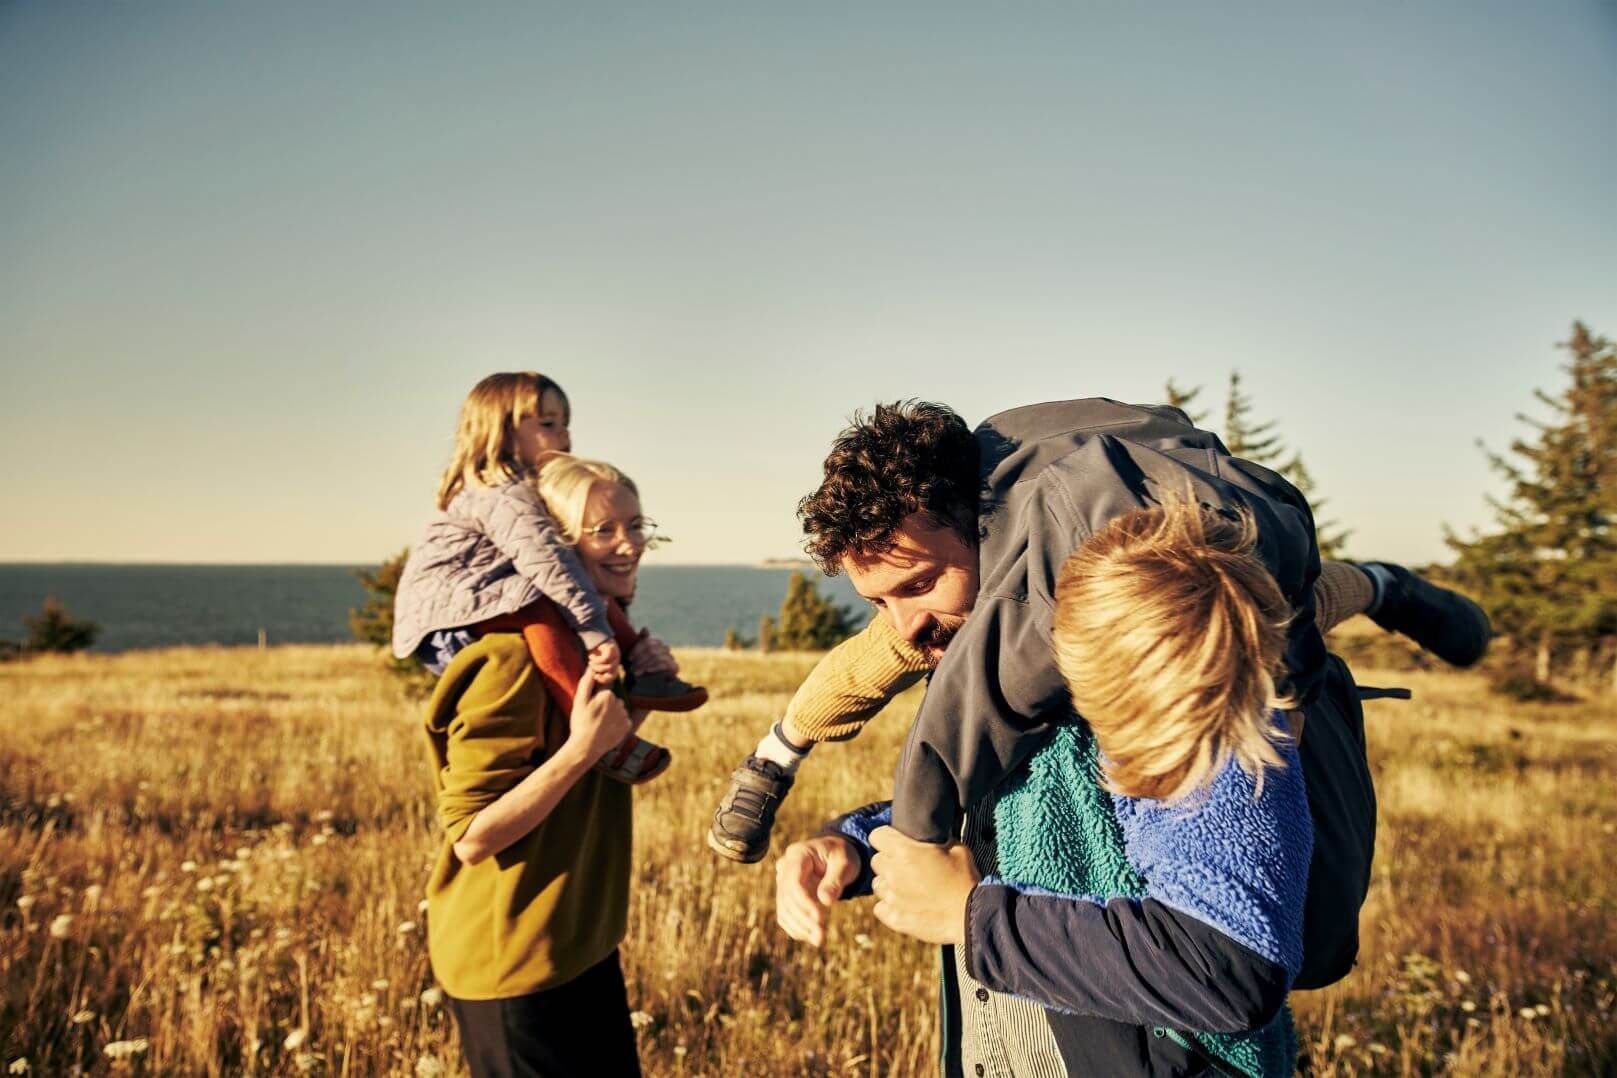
x: 612, y: 539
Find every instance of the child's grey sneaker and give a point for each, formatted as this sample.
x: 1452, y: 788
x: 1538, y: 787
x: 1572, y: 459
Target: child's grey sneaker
x: 745, y: 817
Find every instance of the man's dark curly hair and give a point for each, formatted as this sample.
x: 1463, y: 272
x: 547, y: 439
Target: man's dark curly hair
x: 907, y: 457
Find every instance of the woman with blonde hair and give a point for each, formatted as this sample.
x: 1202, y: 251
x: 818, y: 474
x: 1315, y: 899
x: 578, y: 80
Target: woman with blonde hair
x: 528, y: 898
x: 492, y: 559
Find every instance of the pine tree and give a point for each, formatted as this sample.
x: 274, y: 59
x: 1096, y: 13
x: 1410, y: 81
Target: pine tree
x: 1262, y: 444
x: 1547, y: 574
x: 1256, y: 442
x: 373, y: 622
x: 56, y: 630
x: 809, y: 620
x: 1182, y: 399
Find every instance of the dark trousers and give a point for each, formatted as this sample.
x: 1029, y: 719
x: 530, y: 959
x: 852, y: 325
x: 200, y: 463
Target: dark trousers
x: 578, y: 1028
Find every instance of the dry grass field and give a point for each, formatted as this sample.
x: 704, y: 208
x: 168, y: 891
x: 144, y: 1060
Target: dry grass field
x: 210, y: 863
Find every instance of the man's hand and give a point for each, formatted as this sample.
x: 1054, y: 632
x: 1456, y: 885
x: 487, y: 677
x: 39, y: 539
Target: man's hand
x: 921, y: 889
x: 810, y: 876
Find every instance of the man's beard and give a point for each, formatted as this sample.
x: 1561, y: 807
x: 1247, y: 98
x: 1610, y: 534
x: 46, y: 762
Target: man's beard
x: 934, y: 639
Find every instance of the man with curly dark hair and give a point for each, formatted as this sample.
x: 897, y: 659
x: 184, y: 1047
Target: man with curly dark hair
x: 907, y: 457
x: 896, y: 510
x: 1054, y: 969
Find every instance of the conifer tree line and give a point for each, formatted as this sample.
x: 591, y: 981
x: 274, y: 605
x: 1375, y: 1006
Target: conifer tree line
x: 1545, y: 569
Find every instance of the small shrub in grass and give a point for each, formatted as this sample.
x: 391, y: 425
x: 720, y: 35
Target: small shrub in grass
x: 56, y: 630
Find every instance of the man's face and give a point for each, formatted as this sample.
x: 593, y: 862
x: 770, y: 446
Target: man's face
x: 925, y: 586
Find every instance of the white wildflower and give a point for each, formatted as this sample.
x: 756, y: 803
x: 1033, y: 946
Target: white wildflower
x: 294, y: 1040
x: 188, y: 866
x: 62, y: 926
x: 680, y: 1050
x: 18, y: 1066
x: 324, y: 816
x: 1468, y: 1006
x: 243, y: 853
x: 126, y: 1049
x: 865, y: 942
x: 380, y: 984
x: 1528, y: 1013
x: 320, y: 839
x: 406, y: 927
x: 640, y: 1019
x: 205, y: 884
x: 84, y: 1017
x: 367, y: 1000
x: 421, y: 907
x: 1542, y: 1009
x: 432, y: 997
x: 26, y: 903
x: 307, y: 1061
x: 92, y: 894
x: 1462, y: 976
x: 429, y: 1067
x: 1344, y: 1041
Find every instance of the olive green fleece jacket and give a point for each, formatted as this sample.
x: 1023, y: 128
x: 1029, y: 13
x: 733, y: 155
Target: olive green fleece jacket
x: 555, y: 902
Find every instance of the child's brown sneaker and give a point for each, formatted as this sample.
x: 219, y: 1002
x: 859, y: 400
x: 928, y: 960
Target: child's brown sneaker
x: 664, y: 692
x: 745, y: 817
x: 634, y: 760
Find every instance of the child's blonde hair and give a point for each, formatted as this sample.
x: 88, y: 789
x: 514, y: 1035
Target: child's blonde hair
x: 485, y: 439
x: 564, y: 483
x: 1170, y: 635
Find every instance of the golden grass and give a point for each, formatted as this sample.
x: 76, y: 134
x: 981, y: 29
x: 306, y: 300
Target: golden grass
x: 219, y: 853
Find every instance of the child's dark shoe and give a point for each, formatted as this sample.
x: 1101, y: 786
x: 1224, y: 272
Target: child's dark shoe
x: 741, y: 827
x: 635, y: 760
x: 664, y: 692
x: 1444, y: 622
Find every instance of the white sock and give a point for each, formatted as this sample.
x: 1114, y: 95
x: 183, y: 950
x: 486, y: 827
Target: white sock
x: 781, y: 752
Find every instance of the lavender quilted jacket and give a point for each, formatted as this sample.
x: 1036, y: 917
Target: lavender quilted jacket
x: 493, y: 551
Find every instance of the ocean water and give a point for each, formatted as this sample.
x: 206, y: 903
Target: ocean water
x: 149, y: 606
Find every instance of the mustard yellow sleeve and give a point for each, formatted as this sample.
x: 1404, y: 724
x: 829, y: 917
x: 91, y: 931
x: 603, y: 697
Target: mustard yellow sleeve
x: 486, y: 731
x: 854, y: 681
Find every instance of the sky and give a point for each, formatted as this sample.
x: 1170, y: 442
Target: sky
x: 253, y: 255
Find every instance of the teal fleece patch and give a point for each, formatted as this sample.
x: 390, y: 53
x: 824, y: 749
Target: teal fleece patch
x: 1057, y: 830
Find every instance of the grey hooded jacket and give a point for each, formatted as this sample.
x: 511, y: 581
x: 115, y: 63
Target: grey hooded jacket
x: 1053, y: 475
x: 494, y: 551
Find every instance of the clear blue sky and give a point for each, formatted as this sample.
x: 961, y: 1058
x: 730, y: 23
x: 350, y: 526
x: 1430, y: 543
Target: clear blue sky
x: 253, y: 254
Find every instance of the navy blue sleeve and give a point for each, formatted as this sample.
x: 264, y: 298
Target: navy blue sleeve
x: 1214, y: 943
x: 856, y: 827
x: 1128, y: 960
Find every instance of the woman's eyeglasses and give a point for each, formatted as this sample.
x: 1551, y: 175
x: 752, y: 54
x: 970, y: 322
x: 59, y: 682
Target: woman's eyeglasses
x: 639, y: 530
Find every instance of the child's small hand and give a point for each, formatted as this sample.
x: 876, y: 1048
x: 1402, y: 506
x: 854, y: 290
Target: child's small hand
x: 604, y: 661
